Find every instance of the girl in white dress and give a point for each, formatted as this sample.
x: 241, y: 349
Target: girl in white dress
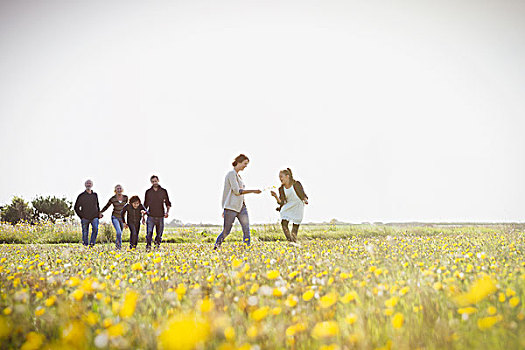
x: 291, y: 200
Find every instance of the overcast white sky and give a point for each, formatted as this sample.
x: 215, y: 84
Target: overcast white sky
x: 385, y: 110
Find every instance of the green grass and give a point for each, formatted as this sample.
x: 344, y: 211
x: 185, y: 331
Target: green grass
x: 71, y: 233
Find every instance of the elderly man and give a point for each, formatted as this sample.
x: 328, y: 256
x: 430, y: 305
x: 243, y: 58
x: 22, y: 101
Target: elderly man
x: 87, y: 208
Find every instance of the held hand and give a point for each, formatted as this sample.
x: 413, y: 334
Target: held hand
x: 100, y: 216
x: 273, y: 194
x: 126, y: 225
x: 143, y: 212
x: 257, y: 191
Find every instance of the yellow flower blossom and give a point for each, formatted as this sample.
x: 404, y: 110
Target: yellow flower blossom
x: 328, y: 300
x: 487, y: 322
x: 325, y: 329
x: 479, y: 290
x: 308, y: 295
x: 398, y: 320
x: 128, y: 306
x: 273, y: 274
x: 137, y: 267
x: 467, y: 310
x: 33, y: 341
x: 260, y: 313
x: 184, y: 332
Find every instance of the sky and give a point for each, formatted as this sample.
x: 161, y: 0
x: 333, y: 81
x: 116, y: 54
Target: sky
x: 386, y: 111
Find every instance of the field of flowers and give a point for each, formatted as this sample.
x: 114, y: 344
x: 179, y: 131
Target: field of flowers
x: 403, y: 289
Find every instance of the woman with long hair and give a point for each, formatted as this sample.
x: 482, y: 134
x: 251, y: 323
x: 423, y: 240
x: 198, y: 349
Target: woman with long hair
x: 291, y: 200
x: 119, y: 200
x: 233, y: 201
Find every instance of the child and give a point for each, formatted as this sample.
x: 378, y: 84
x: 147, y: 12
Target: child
x: 135, y: 212
x: 291, y: 202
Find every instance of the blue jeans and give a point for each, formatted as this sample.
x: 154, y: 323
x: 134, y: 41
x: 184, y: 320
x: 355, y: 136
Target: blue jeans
x: 229, y: 218
x: 85, y: 231
x: 119, y: 226
x: 134, y: 229
x: 158, y: 224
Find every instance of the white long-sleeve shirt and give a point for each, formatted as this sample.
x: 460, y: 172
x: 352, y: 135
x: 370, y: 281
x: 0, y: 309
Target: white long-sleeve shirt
x: 232, y: 198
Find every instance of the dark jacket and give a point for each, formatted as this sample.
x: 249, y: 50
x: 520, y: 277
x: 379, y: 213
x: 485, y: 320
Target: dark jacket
x: 154, y: 202
x: 86, y: 205
x: 133, y: 215
x: 117, y: 206
x: 299, y: 190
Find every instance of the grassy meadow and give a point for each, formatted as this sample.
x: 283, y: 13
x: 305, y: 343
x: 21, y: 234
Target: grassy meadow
x: 342, y: 287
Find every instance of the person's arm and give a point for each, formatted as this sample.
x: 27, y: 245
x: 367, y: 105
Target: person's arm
x: 274, y: 195
x: 234, y: 184
x: 144, y: 212
x: 301, y: 193
x: 123, y: 214
x: 168, y: 204
x: 78, y: 206
x: 249, y: 191
x: 98, y: 208
x: 106, y: 206
x: 146, y: 200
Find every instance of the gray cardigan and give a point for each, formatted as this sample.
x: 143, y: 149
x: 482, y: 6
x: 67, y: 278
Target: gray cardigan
x: 232, y: 197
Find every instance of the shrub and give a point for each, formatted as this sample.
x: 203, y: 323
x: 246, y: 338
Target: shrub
x: 107, y: 233
x: 51, y: 208
x: 19, y: 210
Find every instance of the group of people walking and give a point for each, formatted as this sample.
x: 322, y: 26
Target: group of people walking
x: 125, y: 215
x: 291, y: 199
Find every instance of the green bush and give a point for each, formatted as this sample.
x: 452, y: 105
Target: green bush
x: 51, y: 208
x: 18, y: 211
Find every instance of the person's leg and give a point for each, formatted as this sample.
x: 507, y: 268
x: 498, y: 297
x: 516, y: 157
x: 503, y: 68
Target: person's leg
x: 245, y: 224
x: 85, y: 231
x: 286, y: 230
x: 295, y: 230
x: 133, y: 235
x: 160, y: 229
x: 118, y: 229
x: 94, y: 231
x: 137, y: 232
x: 149, y: 232
x: 229, y: 218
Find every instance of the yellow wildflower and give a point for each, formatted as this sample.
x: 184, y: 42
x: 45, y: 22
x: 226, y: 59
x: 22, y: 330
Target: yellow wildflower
x: 128, y: 306
x: 184, y: 332
x: 325, y: 329
x: 308, y: 295
x: 479, y: 290
x: 487, y: 322
x: 273, y: 274
x: 328, y: 300
x: 398, y: 320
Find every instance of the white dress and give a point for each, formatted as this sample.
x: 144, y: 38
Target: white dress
x: 293, y: 209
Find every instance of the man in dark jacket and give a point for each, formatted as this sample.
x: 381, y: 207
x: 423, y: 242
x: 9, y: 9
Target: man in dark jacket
x: 156, y: 199
x: 88, y: 210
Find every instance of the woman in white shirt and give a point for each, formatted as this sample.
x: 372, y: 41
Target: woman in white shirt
x: 233, y: 201
x: 291, y: 200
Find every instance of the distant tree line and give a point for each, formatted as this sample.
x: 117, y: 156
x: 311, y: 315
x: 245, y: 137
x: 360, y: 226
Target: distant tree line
x: 40, y: 209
